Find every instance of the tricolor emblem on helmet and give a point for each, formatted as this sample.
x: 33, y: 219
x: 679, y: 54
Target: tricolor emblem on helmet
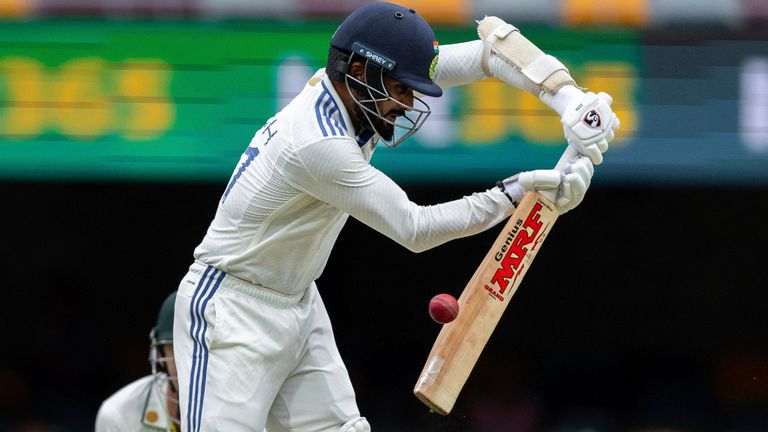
x: 433, y: 65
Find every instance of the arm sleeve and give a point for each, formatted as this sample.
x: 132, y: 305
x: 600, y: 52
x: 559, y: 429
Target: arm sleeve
x: 336, y: 172
x: 461, y: 64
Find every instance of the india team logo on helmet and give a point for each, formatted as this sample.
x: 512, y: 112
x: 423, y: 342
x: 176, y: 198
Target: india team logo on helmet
x: 433, y: 65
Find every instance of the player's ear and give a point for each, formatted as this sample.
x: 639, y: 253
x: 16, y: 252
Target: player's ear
x: 357, y: 70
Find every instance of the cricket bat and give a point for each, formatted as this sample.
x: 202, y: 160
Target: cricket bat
x: 485, y: 298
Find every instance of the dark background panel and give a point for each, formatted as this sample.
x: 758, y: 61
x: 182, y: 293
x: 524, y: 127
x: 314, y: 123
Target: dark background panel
x: 647, y: 306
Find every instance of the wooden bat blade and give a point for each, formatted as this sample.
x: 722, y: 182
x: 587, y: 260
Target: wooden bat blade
x: 483, y: 301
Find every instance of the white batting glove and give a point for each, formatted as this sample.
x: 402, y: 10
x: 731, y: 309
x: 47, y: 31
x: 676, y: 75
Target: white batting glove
x: 589, y: 125
x: 567, y: 186
x: 574, y: 184
x: 516, y: 186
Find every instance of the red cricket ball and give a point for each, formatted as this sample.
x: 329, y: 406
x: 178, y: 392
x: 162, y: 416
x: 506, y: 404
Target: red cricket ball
x: 443, y: 308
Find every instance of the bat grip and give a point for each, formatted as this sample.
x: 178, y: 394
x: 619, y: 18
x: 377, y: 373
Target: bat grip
x: 568, y: 155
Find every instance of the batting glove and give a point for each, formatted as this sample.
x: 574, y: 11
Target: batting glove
x: 567, y: 186
x: 574, y: 183
x: 516, y: 186
x: 589, y: 125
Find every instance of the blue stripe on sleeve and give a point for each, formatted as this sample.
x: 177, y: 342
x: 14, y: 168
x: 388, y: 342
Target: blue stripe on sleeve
x: 251, y: 153
x: 328, y: 116
x: 335, y: 106
x: 317, y: 113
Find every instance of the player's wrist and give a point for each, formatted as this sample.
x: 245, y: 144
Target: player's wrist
x: 564, y: 97
x: 503, y: 188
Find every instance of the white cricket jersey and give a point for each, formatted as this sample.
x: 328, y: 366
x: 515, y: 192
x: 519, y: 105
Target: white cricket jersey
x: 304, y: 172
x: 137, y: 407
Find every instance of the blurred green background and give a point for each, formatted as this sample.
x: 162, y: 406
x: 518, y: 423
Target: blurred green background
x: 179, y: 100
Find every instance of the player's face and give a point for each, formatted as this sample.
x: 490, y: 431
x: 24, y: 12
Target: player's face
x: 389, y: 109
x: 173, y: 390
x: 168, y: 360
x: 380, y: 100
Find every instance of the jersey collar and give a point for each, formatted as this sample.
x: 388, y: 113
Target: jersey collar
x: 343, y: 116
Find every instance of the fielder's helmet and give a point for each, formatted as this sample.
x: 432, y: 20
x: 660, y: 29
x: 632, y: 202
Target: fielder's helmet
x: 397, y: 39
x: 162, y: 333
x: 165, y: 381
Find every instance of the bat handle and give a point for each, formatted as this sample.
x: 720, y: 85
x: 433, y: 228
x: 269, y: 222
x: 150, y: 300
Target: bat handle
x: 568, y: 155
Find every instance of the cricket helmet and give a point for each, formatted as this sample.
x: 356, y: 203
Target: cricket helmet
x: 395, y: 39
x: 165, y: 380
x: 162, y: 333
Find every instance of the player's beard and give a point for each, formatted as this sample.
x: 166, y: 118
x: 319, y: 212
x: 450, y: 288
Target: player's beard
x: 383, y: 128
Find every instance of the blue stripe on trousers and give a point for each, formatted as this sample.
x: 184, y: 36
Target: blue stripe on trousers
x: 205, y: 347
x: 194, y: 321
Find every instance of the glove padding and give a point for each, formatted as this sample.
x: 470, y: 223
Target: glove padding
x: 589, y: 125
x: 576, y: 179
x: 516, y: 186
x: 569, y: 185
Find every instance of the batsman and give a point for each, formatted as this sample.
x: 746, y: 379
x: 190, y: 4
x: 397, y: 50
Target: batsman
x: 253, y: 343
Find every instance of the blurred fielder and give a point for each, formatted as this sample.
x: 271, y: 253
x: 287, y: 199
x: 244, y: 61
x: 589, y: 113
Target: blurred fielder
x: 254, y: 345
x: 150, y: 403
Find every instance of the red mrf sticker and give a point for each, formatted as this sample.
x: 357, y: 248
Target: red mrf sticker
x: 510, y: 255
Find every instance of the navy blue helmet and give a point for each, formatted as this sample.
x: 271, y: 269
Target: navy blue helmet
x: 394, y: 39
x: 397, y: 39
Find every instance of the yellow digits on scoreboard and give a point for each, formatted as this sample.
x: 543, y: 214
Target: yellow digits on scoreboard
x: 86, y: 98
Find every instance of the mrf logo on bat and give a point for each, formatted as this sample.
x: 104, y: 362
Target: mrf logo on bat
x: 523, y: 238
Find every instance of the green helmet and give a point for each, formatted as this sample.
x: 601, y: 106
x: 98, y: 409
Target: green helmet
x: 160, y: 357
x: 162, y: 333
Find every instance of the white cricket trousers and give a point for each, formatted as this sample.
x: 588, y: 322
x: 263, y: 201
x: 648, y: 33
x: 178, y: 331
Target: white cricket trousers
x: 249, y: 357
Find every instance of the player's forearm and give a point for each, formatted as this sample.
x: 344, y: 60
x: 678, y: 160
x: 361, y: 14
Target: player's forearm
x: 419, y: 228
x: 383, y: 206
x: 463, y: 63
x: 527, y: 68
x: 472, y: 214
